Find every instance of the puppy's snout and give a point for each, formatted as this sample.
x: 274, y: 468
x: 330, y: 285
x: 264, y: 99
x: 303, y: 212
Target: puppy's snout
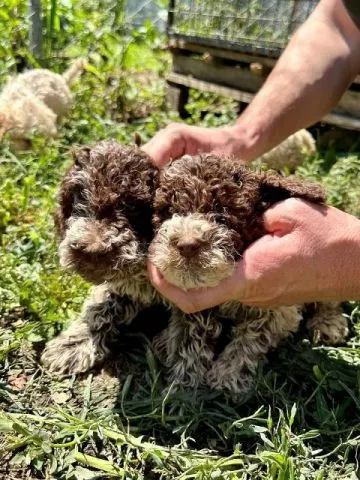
x: 189, y: 246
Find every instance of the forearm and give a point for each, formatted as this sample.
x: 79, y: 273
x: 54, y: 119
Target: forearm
x: 320, y: 61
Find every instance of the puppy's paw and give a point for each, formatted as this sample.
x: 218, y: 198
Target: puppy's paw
x: 236, y: 382
x: 331, y: 330
x: 66, y: 354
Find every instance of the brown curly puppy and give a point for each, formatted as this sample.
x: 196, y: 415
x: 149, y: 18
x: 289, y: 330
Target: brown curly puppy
x: 104, y: 221
x: 208, y: 210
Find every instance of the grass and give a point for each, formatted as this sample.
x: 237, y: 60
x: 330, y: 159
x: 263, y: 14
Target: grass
x: 302, y: 419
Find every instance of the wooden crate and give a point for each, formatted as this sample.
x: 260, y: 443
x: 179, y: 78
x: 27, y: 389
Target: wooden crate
x: 237, y: 65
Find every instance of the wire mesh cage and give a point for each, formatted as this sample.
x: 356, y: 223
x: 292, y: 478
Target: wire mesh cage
x: 256, y: 26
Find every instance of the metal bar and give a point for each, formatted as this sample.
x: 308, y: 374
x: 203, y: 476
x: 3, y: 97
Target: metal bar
x: 35, y: 34
x: 185, y: 80
x: 170, y: 19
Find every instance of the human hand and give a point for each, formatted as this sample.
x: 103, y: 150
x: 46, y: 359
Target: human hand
x: 310, y: 253
x: 179, y: 139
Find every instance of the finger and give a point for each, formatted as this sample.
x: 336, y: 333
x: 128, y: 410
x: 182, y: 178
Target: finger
x: 278, y: 219
x: 181, y: 298
x: 165, y: 147
x: 194, y: 300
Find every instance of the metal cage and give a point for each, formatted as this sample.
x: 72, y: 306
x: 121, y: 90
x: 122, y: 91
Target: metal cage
x: 260, y: 27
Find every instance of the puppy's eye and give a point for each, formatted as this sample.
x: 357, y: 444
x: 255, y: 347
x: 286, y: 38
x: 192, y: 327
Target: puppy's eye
x: 218, y: 207
x: 238, y: 180
x: 220, y: 218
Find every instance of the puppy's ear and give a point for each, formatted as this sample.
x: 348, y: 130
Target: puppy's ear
x: 64, y: 211
x: 81, y: 155
x: 275, y: 188
x: 59, y: 223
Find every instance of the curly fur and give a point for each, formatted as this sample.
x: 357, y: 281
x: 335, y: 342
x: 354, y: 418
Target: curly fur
x: 35, y: 101
x: 206, y: 210
x: 105, y: 212
x: 208, y: 267
x: 104, y: 222
x: 214, y: 205
x: 291, y: 152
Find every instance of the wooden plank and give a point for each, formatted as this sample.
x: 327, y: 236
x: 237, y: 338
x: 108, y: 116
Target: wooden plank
x: 177, y: 45
x: 177, y: 98
x: 344, y: 121
x: 204, y: 86
x: 233, y: 77
x: 246, y: 80
x: 349, y: 104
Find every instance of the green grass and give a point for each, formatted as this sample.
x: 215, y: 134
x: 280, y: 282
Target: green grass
x: 302, y: 419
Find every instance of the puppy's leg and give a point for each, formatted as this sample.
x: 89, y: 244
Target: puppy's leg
x: 253, y: 336
x: 86, y: 342
x: 185, y: 346
x: 328, y: 323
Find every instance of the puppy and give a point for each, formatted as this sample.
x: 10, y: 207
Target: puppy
x: 34, y: 101
x: 105, y: 226
x: 208, y: 210
x: 290, y: 153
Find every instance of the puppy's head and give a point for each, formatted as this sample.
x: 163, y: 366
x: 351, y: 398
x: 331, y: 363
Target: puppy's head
x: 208, y: 210
x: 104, y: 218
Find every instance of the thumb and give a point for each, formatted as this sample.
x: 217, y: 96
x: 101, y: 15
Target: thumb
x: 278, y: 219
x: 195, y: 300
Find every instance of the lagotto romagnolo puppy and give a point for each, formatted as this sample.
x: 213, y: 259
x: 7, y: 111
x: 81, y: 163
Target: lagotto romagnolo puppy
x: 207, y: 210
x: 290, y: 153
x: 34, y: 101
x: 104, y: 221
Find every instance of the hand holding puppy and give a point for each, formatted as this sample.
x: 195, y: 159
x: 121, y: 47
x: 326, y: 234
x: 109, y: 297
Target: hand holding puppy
x: 310, y: 253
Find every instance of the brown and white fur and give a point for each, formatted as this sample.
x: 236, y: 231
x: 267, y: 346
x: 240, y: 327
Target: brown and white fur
x: 105, y: 224
x: 34, y: 101
x: 207, y: 210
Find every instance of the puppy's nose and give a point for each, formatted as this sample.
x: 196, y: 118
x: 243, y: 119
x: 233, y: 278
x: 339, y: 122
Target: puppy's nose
x: 189, y: 246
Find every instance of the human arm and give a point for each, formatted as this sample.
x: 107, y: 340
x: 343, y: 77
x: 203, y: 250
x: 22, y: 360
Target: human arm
x: 320, y: 61
x: 310, y: 253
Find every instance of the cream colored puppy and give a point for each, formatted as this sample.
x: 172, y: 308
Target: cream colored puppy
x: 34, y: 101
x: 291, y: 152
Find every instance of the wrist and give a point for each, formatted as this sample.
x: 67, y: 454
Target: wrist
x: 247, y: 141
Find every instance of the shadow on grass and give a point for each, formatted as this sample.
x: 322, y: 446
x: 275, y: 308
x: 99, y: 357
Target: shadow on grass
x: 323, y: 384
